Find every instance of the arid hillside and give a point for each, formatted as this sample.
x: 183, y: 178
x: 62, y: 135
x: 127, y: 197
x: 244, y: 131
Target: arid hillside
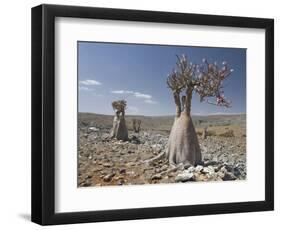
x: 162, y: 123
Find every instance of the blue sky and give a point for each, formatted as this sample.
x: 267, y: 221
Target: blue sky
x: 137, y: 73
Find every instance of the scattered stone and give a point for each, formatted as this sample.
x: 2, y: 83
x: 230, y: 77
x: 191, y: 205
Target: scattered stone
x: 86, y: 154
x: 184, y: 176
x: 164, y: 167
x: 119, y: 178
x: 121, y: 182
x: 88, y: 176
x: 108, y: 177
x: 156, y: 177
x: 97, y: 169
x: 187, y: 165
x: 212, y: 176
x: 87, y: 183
x: 199, y: 168
x: 105, y: 136
x: 130, y: 164
x: 99, y: 157
x: 228, y: 167
x: 157, y: 147
x: 209, y: 169
x: 107, y: 164
x: 122, y: 171
x: 135, y: 140
x: 229, y: 176
x: 223, y: 169
x: 220, y: 174
x: 93, y: 129
x: 171, y: 174
x: 191, y: 169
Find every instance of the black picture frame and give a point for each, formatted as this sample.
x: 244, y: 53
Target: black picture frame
x: 43, y: 114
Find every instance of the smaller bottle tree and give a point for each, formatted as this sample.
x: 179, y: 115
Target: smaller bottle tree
x: 185, y: 80
x: 119, y: 129
x: 136, y: 125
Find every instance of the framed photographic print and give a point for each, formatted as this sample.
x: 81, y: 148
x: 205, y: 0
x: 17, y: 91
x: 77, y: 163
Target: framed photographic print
x: 141, y: 114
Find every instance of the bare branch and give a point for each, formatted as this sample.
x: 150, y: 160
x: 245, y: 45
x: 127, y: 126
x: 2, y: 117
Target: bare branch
x: 119, y: 106
x: 224, y: 103
x: 206, y: 79
x: 209, y: 81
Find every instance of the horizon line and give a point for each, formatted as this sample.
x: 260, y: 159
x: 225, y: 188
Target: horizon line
x: 171, y: 115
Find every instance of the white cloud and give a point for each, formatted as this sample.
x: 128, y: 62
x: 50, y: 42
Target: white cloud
x: 149, y: 101
x: 122, y: 92
x: 141, y: 95
x: 84, y: 88
x: 147, y: 98
x: 89, y: 82
x: 136, y: 94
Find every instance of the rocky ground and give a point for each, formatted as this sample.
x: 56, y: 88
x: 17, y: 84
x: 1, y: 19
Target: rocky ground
x: 103, y: 161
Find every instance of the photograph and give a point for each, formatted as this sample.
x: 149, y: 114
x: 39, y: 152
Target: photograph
x: 150, y: 114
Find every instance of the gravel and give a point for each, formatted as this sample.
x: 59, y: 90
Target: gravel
x: 103, y: 161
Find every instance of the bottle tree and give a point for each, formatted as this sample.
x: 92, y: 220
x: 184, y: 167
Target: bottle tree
x: 119, y: 129
x: 185, y: 80
x: 136, y: 125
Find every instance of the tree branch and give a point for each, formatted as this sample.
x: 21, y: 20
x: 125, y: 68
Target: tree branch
x: 119, y: 106
x: 226, y: 104
x: 206, y: 79
x: 178, y: 104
